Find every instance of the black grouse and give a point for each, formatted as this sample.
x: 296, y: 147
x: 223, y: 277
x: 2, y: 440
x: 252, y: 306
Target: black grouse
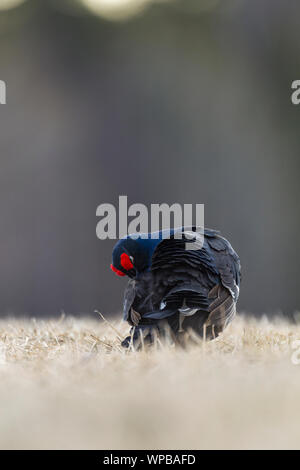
x: 181, y: 281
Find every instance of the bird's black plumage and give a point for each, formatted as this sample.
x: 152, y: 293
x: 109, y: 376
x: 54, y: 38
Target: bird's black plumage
x: 190, y: 283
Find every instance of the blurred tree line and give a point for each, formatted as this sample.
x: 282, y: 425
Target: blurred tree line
x: 186, y: 101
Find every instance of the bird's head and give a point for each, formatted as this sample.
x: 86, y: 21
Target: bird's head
x: 132, y: 256
x: 123, y: 261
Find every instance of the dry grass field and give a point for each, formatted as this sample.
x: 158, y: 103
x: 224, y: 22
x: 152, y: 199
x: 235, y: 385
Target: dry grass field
x: 66, y: 384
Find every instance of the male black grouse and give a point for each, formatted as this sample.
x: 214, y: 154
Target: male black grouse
x: 188, y: 281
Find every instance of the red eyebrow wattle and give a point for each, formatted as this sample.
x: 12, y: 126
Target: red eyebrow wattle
x: 126, y: 262
x: 115, y: 270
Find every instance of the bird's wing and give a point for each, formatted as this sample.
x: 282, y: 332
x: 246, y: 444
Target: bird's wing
x: 129, y: 296
x: 138, y: 297
x: 227, y: 263
x: 222, y: 309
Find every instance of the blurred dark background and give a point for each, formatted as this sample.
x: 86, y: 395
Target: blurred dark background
x: 176, y: 101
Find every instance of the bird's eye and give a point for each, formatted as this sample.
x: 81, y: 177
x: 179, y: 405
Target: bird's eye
x: 126, y: 262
